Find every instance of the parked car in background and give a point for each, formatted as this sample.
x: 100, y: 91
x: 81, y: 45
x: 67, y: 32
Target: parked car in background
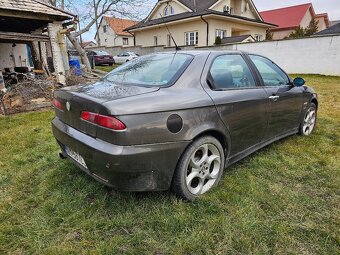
x: 101, y: 57
x: 177, y: 120
x: 125, y: 57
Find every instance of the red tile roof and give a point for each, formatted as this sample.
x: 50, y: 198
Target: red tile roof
x: 118, y: 25
x: 289, y: 17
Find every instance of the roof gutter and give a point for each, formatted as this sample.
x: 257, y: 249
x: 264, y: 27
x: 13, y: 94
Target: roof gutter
x: 207, y: 29
x: 248, y: 21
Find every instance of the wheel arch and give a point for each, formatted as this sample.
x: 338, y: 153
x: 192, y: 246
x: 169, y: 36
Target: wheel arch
x: 222, y: 138
x: 315, y: 101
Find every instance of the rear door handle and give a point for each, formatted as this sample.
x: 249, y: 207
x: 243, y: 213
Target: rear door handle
x: 274, y: 98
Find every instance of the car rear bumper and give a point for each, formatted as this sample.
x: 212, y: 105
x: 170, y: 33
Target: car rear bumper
x: 128, y: 168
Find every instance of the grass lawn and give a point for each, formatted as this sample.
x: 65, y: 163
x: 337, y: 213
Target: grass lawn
x: 284, y: 199
x: 106, y: 68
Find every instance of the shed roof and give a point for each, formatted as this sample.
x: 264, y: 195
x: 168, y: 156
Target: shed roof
x: 34, y: 6
x: 237, y: 39
x: 335, y: 29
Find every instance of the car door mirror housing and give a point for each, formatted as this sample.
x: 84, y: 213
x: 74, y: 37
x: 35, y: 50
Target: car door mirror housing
x: 299, y: 82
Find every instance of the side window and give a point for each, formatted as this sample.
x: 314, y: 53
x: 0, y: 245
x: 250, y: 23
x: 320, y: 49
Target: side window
x: 231, y: 72
x: 271, y: 74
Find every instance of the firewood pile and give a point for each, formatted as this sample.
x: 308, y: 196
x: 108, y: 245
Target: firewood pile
x: 35, y: 93
x: 28, y: 95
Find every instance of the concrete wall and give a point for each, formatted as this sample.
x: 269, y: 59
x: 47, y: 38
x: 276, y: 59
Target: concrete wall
x: 11, y: 57
x: 313, y: 55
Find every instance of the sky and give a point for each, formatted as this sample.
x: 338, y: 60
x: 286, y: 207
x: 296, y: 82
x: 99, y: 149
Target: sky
x: 332, y: 7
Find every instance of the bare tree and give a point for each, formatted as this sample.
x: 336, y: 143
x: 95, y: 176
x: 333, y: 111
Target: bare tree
x: 91, y: 12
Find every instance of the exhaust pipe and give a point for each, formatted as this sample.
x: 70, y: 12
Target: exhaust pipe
x: 62, y: 155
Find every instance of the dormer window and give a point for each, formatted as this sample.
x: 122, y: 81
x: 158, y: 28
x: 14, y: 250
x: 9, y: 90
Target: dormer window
x: 169, y: 10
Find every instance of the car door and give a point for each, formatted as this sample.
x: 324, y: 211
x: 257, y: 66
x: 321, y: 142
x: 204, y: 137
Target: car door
x: 126, y: 57
x: 285, y: 100
x: 239, y: 99
x: 118, y: 58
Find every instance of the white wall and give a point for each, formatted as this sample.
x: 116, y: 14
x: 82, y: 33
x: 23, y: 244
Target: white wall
x: 314, y: 55
x: 13, y: 56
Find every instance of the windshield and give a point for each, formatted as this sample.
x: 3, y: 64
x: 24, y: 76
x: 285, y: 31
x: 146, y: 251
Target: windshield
x: 158, y: 70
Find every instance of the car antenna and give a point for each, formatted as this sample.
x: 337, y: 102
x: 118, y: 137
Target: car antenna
x: 167, y: 28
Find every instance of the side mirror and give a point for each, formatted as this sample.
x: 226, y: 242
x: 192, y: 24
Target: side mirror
x: 299, y: 82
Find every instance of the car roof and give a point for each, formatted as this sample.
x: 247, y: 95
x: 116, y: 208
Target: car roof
x: 204, y: 52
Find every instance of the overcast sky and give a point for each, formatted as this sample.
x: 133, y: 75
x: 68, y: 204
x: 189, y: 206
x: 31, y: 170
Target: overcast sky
x: 332, y: 7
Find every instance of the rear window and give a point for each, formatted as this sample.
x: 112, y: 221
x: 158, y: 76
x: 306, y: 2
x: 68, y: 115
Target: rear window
x: 158, y: 70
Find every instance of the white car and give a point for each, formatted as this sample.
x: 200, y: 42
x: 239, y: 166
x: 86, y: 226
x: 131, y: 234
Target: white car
x: 125, y: 57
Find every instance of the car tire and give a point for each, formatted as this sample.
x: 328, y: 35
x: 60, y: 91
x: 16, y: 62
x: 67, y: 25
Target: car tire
x: 308, y: 123
x: 199, y: 169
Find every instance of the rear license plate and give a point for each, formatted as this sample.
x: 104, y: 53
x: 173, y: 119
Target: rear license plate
x: 75, y: 156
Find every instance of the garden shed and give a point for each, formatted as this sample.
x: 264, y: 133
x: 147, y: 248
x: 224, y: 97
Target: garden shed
x: 32, y: 36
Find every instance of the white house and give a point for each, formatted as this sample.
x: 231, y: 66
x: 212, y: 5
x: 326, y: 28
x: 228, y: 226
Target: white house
x: 111, y: 32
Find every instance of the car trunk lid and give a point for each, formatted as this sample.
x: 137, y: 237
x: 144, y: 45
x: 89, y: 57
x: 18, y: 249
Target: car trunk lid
x: 75, y: 100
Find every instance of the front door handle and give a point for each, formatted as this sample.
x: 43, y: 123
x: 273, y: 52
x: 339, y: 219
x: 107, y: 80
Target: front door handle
x: 274, y: 98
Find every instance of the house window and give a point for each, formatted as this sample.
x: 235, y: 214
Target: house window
x: 125, y: 41
x: 191, y: 38
x: 259, y: 38
x: 155, y: 41
x: 169, y: 10
x: 169, y: 39
x: 105, y: 28
x: 221, y: 33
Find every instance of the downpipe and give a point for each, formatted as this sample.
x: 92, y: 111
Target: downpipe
x: 207, y: 29
x: 61, y: 42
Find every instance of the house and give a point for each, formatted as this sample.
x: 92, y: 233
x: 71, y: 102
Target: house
x: 31, y: 37
x: 333, y: 30
x: 111, y: 32
x: 198, y: 22
x: 88, y: 44
x: 290, y: 18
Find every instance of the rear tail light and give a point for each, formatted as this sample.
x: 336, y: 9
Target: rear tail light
x: 57, y: 104
x: 109, y: 122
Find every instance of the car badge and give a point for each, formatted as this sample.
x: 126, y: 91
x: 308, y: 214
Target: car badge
x: 68, y: 106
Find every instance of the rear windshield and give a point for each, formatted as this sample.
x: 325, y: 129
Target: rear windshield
x: 158, y: 70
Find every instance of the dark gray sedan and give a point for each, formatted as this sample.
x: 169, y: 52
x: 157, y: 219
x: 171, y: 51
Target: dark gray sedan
x: 177, y: 120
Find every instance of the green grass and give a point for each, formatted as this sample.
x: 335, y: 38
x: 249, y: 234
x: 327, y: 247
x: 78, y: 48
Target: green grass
x: 106, y: 68
x: 284, y: 199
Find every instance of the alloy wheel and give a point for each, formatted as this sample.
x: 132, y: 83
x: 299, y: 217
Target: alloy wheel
x: 203, y: 169
x: 309, y: 121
